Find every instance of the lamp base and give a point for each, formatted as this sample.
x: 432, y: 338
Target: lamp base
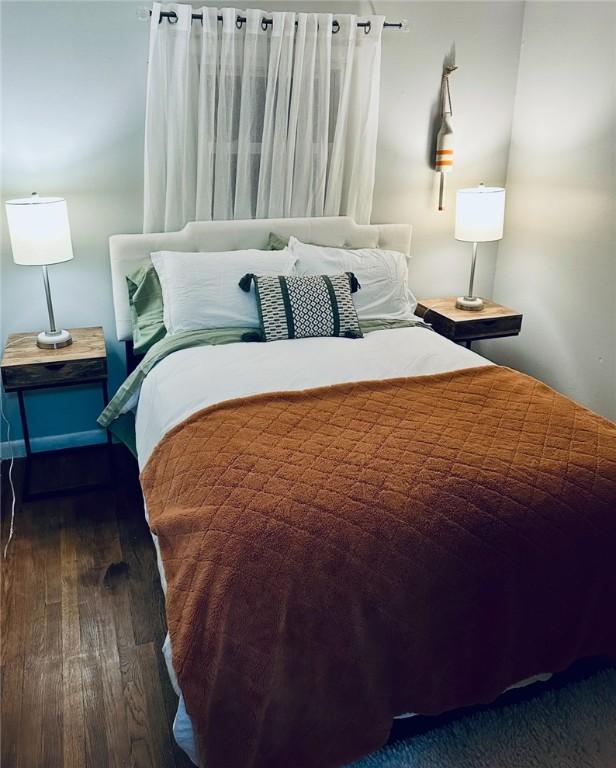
x: 471, y: 303
x: 53, y: 339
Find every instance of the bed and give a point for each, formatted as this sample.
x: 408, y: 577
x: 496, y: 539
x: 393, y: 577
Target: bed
x: 265, y: 708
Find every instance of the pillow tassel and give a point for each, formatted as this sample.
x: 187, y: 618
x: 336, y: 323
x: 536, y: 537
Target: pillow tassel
x: 355, y: 286
x: 245, y: 282
x: 252, y: 336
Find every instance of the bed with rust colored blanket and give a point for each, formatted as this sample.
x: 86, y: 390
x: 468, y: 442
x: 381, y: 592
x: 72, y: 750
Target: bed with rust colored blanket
x: 339, y: 556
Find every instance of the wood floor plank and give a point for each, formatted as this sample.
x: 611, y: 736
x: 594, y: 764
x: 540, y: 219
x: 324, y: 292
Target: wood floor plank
x: 10, y: 712
x: 51, y: 746
x: 34, y: 647
x: 142, y: 746
x: 116, y: 725
x: 73, y: 726
x: 98, y: 750
x: 31, y: 722
x: 73, y: 723
x: 50, y: 527
x: 69, y: 586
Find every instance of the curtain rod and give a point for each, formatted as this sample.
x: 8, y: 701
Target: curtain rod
x: 365, y: 25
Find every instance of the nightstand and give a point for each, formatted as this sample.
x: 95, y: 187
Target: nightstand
x: 26, y: 367
x: 462, y: 326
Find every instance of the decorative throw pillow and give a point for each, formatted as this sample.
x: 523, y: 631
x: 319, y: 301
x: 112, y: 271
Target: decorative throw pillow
x: 297, y: 307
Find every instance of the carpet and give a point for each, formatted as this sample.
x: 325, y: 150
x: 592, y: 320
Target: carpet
x: 569, y: 727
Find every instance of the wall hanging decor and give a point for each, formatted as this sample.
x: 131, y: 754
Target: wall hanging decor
x: 443, y: 161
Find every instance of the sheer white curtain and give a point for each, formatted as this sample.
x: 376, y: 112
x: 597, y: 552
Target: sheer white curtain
x: 245, y: 120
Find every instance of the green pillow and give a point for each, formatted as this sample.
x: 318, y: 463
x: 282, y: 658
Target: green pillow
x: 276, y: 242
x: 279, y: 242
x: 145, y: 297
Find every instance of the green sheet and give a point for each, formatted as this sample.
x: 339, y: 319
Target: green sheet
x: 145, y: 297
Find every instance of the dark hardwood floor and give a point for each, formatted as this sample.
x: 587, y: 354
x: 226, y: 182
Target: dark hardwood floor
x: 84, y: 682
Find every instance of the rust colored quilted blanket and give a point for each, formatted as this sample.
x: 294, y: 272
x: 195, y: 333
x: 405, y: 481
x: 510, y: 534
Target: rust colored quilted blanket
x: 339, y: 556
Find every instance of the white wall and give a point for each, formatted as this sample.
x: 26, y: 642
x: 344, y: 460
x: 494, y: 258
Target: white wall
x: 557, y: 261
x: 73, y: 98
x: 73, y: 86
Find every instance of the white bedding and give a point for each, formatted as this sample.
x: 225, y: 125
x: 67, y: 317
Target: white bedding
x: 195, y: 378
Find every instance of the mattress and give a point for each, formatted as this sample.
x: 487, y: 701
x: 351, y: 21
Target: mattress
x: 192, y: 379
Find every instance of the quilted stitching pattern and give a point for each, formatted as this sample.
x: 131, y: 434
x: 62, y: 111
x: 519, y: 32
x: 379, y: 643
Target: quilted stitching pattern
x: 338, y: 556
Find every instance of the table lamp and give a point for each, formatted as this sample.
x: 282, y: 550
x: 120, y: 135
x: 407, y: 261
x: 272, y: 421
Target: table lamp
x: 480, y: 213
x: 40, y: 236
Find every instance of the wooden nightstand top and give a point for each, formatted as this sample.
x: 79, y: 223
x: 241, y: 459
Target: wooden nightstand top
x: 492, y: 322
x: 26, y: 366
x: 447, y: 308
x: 21, y: 348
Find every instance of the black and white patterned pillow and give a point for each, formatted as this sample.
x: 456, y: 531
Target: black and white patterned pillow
x: 300, y: 306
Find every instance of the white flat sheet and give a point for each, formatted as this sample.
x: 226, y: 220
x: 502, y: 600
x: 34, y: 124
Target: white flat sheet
x: 194, y: 378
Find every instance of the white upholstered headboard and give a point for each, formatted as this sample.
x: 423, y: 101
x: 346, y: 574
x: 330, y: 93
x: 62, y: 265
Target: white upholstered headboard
x: 128, y: 252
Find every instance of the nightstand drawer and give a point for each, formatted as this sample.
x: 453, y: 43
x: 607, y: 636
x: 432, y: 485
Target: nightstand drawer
x: 485, y: 328
x: 53, y: 374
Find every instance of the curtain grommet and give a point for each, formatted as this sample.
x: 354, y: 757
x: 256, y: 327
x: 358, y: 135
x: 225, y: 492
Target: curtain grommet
x: 367, y: 27
x: 239, y: 22
x: 335, y: 27
x: 172, y: 18
x: 265, y: 24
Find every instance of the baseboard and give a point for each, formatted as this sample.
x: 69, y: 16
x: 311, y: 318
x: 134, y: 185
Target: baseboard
x: 17, y: 448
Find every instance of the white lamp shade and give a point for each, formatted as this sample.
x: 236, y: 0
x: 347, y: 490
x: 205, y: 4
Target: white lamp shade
x: 480, y: 214
x: 39, y: 229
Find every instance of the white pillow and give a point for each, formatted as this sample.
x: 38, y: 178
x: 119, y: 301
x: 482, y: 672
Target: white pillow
x: 383, y: 276
x: 200, y: 290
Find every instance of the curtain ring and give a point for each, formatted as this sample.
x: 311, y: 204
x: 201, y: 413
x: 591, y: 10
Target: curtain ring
x: 239, y: 21
x: 335, y: 27
x: 367, y: 27
x: 172, y: 18
x: 264, y: 24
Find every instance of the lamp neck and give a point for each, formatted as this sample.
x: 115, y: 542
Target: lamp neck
x: 52, y: 322
x: 470, y: 284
